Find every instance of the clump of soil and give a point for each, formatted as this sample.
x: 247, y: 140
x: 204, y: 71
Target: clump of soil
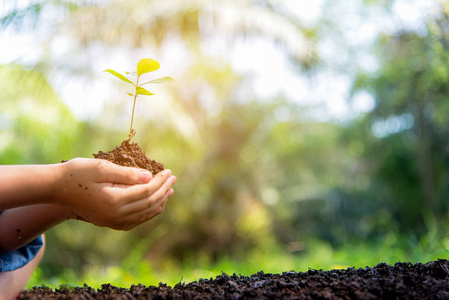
x: 401, y: 281
x: 129, y: 154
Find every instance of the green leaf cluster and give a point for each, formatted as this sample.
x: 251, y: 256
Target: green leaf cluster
x: 144, y: 66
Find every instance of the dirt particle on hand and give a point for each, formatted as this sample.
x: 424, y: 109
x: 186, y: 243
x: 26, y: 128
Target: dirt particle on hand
x: 80, y: 185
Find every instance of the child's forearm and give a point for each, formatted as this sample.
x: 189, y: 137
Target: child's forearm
x: 19, y: 226
x: 27, y: 184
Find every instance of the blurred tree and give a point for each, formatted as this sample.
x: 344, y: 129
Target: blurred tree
x: 148, y: 23
x: 410, y: 89
x: 36, y: 126
x: 391, y: 174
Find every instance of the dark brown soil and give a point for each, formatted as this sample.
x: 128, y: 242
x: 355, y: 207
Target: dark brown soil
x: 131, y: 155
x: 401, y: 281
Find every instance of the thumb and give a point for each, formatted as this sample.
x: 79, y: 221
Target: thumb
x: 126, y: 175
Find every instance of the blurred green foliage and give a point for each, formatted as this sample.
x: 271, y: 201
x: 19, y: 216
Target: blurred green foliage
x: 30, y: 109
x: 262, y: 184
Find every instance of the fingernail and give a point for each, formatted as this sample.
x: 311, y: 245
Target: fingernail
x: 144, y: 176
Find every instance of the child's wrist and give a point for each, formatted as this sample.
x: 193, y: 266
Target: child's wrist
x: 65, y: 213
x: 55, y: 184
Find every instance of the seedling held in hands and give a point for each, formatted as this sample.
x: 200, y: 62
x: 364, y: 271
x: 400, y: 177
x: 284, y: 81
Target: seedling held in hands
x: 144, y: 66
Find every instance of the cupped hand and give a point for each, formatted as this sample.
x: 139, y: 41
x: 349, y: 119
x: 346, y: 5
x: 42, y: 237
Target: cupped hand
x: 109, y: 195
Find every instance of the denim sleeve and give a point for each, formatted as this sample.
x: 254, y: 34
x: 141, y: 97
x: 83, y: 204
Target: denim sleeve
x: 20, y: 257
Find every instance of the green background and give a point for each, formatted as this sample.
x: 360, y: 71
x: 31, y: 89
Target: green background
x: 264, y: 182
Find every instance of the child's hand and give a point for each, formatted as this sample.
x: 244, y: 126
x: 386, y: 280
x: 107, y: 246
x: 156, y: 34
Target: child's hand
x: 109, y: 195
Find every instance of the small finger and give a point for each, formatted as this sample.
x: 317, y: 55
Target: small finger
x: 162, y: 191
x: 142, y: 191
x: 164, y: 201
x: 145, y: 215
x: 151, y: 211
x: 135, y: 208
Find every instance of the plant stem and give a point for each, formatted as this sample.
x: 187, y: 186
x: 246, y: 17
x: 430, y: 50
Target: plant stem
x: 132, y: 116
x: 134, y: 105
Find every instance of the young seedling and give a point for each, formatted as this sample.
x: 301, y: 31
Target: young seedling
x: 144, y: 66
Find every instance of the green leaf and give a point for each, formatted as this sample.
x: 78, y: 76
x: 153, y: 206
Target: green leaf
x: 142, y: 91
x: 147, y: 65
x: 130, y: 94
x: 160, y: 80
x: 118, y: 75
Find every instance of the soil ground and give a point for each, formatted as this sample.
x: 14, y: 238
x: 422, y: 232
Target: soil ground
x: 131, y: 155
x: 401, y: 281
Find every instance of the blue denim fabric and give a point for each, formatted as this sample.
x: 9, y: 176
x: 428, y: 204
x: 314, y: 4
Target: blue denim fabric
x: 20, y: 257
